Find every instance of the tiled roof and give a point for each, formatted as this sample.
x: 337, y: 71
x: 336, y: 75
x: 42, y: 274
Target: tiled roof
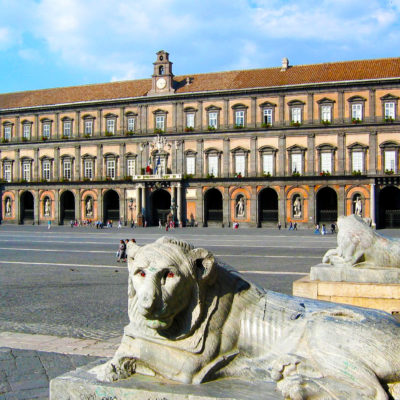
x: 266, y: 77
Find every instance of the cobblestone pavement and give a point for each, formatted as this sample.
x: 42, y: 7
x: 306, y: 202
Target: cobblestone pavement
x: 29, y: 362
x: 25, y: 374
x: 62, y: 288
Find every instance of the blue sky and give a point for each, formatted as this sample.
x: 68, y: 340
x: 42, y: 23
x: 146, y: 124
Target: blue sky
x: 53, y: 43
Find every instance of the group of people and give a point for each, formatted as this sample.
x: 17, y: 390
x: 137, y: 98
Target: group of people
x: 168, y: 225
x: 322, y: 230
x: 121, y: 253
x: 319, y: 230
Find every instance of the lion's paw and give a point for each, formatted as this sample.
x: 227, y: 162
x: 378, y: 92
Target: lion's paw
x: 283, y: 366
x: 114, y: 370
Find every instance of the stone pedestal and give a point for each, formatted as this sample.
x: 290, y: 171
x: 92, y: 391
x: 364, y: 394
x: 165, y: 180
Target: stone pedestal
x: 381, y: 296
x: 80, y: 384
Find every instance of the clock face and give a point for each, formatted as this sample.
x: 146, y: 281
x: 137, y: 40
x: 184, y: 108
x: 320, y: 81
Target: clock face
x: 161, y: 83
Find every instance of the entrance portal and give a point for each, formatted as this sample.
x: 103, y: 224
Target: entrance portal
x: 67, y: 207
x: 161, y: 206
x: 213, y: 207
x: 267, y: 207
x: 389, y: 207
x: 27, y: 206
x: 326, y: 206
x: 111, y: 206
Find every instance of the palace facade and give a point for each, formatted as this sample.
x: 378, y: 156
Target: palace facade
x: 291, y: 144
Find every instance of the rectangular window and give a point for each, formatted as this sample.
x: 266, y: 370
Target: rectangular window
x: 7, y: 172
x: 268, y: 164
x: 131, y: 166
x: 26, y: 171
x: 88, y: 169
x: 111, y: 126
x: 357, y: 161
x: 46, y: 130
x: 163, y: 165
x: 239, y: 118
x: 89, y: 127
x: 160, y: 122
x: 390, y: 110
x: 267, y: 116
x: 110, y: 169
x: 356, y: 111
x: 390, y: 160
x: 46, y: 170
x: 213, y: 165
x: 131, y: 124
x: 26, y: 133
x: 67, y: 169
x: 240, y: 166
x: 190, y: 120
x: 190, y: 165
x: 213, y: 119
x: 67, y: 128
x: 7, y: 132
x: 326, y: 114
x: 326, y: 162
x: 297, y: 165
x: 296, y: 115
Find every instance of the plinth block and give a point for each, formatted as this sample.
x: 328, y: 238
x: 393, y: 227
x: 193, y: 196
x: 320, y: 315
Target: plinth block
x: 80, y: 384
x: 381, y: 296
x: 324, y: 272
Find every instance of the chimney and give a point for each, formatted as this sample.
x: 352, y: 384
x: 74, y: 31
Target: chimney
x: 285, y: 64
x: 188, y: 80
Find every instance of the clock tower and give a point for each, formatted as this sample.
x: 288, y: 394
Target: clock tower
x: 162, y: 78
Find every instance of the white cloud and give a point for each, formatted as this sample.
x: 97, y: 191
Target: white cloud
x: 330, y: 20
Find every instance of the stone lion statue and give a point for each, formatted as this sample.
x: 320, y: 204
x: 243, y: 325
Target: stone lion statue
x: 360, y: 246
x: 193, y: 319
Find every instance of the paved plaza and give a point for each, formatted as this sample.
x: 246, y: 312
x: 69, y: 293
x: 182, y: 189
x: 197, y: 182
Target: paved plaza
x: 63, y: 296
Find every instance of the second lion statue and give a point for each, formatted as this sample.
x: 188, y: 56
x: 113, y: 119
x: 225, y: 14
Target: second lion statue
x: 193, y: 319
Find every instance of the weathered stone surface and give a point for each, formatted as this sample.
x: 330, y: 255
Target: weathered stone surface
x: 359, y: 245
x: 324, y: 272
x: 81, y: 384
x: 193, y: 320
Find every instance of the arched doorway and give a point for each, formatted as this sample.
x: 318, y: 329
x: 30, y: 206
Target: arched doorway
x: 67, y: 207
x: 389, y: 207
x: 111, y: 206
x: 213, y: 207
x: 267, y: 207
x: 27, y: 207
x: 326, y: 206
x: 161, y: 206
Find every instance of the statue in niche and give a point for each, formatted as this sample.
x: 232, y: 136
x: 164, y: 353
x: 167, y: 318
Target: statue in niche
x: 47, y: 207
x: 358, y: 206
x: 240, y: 207
x: 89, y: 207
x: 193, y: 319
x: 297, y: 207
x: 8, y: 206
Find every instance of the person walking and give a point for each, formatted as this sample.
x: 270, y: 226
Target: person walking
x: 49, y: 224
x: 279, y: 225
x: 121, y: 253
x: 295, y: 226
